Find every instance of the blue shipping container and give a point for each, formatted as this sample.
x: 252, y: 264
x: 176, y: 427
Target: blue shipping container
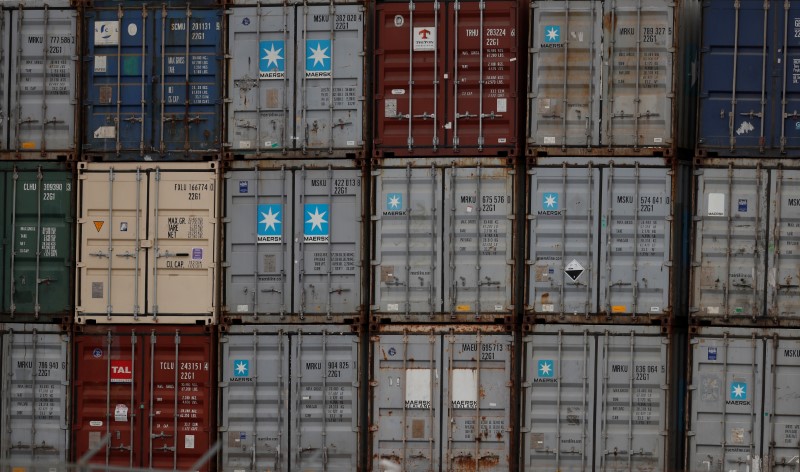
x: 750, y: 82
x: 153, y: 83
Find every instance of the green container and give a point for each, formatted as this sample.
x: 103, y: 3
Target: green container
x: 37, y: 211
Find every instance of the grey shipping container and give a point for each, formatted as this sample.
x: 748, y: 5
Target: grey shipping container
x: 148, y: 237
x: 601, y: 75
x: 594, y: 398
x: 441, y: 397
x: 35, y: 372
x: 296, y: 81
x: 599, y: 243
x: 443, y: 234
x: 39, y: 67
x: 293, y: 240
x: 290, y: 398
x: 745, y: 249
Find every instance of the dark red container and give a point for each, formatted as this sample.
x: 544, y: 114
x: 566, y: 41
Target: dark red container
x: 446, y: 79
x: 150, y: 390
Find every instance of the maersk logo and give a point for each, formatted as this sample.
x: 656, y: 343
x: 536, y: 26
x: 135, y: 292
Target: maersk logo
x: 269, y: 224
x: 241, y: 371
x: 318, y: 58
x: 549, y: 204
x: 272, y: 63
x: 738, y: 394
x: 394, y: 204
x: 316, y: 228
x: 545, y: 370
x: 552, y: 37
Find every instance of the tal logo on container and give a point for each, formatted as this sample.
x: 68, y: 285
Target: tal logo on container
x: 121, y: 371
x: 269, y: 224
x: 272, y: 60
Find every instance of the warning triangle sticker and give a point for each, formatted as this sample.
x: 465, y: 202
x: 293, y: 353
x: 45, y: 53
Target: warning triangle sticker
x: 98, y: 225
x: 573, y: 270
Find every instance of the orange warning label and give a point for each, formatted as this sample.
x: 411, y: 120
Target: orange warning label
x: 98, y: 225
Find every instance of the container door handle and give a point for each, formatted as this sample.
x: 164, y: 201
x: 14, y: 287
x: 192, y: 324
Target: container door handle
x: 99, y: 254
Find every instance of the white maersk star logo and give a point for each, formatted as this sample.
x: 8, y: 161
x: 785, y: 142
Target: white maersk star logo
x: 269, y: 220
x: 272, y: 56
x: 552, y: 34
x: 316, y: 219
x: 241, y: 368
x: 545, y: 368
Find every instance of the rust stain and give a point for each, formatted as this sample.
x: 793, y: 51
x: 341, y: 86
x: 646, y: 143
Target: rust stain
x: 545, y: 298
x: 467, y: 463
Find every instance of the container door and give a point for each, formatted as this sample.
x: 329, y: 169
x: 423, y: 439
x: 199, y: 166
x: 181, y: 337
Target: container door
x: 40, y: 216
x: 179, y: 399
x: 189, y: 86
x: 782, y: 374
x: 565, y: 71
x: 786, y: 65
x: 119, y: 86
x: 481, y: 56
x: 408, y: 246
x: 259, y: 261
x: 255, y: 372
x: 44, y: 85
x: 564, y: 207
x: 479, y: 232
x: 635, y: 243
x: 330, y: 77
x: 260, y: 84
x: 409, y: 91
x: 735, y: 57
x: 632, y: 400
x: 783, y: 279
x: 324, y: 402
x: 638, y: 91
x: 406, y: 402
x: 107, y: 399
x: 477, y: 389
x: 113, y: 228
x: 5, y: 58
x: 725, y: 396
x: 182, y: 212
x: 730, y: 243
x: 327, y: 235
x: 35, y: 371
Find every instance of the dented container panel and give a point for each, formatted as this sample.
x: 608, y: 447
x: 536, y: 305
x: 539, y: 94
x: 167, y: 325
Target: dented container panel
x: 318, y: 368
x: 595, y: 398
x: 451, y: 83
x: 730, y: 242
x: 35, y: 368
x: 44, y: 82
x: 151, y: 389
x: 154, y: 83
x: 725, y: 420
x: 148, y: 236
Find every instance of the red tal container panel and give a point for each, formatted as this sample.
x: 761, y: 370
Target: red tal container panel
x: 150, y: 390
x: 446, y: 79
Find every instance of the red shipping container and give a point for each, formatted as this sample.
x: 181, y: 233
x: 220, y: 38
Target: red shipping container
x: 446, y: 79
x: 150, y: 390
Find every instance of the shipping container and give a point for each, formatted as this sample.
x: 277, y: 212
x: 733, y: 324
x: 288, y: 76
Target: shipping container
x: 38, y: 224
x: 443, y: 240
x: 744, y: 268
x: 39, y: 69
x: 594, y: 398
x: 749, y: 79
x: 601, y: 77
x: 289, y: 398
x: 153, y: 83
x: 293, y: 242
x: 148, y: 392
x: 600, y: 243
x: 441, y: 398
x: 148, y: 237
x: 446, y: 78
x: 35, y: 372
x: 296, y: 81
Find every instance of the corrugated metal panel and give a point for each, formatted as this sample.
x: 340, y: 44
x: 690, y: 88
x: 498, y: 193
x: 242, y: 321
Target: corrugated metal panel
x: 309, y: 266
x: 38, y: 212
x: 317, y: 367
x: 725, y: 420
x: 43, y: 82
x: 781, y: 415
x: 412, y: 374
x: 151, y: 390
x: 730, y: 239
x: 320, y: 84
x: 148, y: 243
x: 35, y: 368
x: 595, y: 398
x: 450, y: 85
x: 783, y: 277
x: 437, y: 250
x: 154, y: 83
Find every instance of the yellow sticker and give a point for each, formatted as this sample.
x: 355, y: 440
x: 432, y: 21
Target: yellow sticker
x: 18, y: 469
x: 28, y: 145
x: 618, y: 309
x: 463, y: 308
